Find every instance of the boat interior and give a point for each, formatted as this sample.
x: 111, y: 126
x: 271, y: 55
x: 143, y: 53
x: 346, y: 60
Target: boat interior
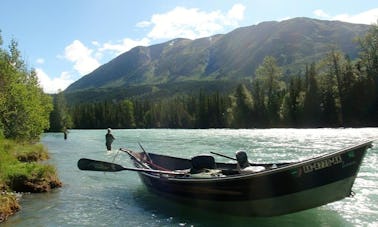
x: 205, y: 164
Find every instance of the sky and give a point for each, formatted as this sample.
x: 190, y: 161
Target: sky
x: 67, y: 39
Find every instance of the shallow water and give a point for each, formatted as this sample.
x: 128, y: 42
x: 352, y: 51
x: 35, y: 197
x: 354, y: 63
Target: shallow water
x: 119, y: 199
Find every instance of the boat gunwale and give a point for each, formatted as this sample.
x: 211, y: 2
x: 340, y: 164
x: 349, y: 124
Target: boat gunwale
x: 288, y: 166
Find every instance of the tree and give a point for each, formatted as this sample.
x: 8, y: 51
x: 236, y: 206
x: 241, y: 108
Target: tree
x: 311, y: 105
x: 60, y: 118
x: 259, y: 108
x: 125, y: 114
x: 25, y: 109
x: 270, y: 75
x: 292, y: 105
x: 242, y: 107
x: 369, y: 64
x: 332, y: 88
x: 203, y: 111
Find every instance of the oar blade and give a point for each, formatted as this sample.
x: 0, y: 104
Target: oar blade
x: 95, y: 165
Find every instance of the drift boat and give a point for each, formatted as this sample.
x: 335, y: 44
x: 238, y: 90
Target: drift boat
x: 244, y: 188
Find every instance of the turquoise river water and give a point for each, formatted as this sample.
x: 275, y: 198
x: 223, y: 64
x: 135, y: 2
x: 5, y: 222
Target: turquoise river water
x: 119, y: 199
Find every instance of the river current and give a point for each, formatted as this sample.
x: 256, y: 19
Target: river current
x: 119, y: 199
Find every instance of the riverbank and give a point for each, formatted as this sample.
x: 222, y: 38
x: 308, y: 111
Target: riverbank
x: 21, y: 171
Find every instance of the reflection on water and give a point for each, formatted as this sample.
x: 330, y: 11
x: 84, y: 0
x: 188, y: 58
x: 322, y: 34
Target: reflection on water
x: 165, y: 212
x: 119, y: 199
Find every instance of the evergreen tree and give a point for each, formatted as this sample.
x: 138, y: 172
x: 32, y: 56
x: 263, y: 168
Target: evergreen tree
x: 125, y: 114
x: 292, y: 106
x: 331, y: 87
x: 242, y: 108
x: 312, y: 104
x: 369, y: 64
x: 203, y: 111
x: 60, y: 118
x: 259, y: 108
x: 270, y: 75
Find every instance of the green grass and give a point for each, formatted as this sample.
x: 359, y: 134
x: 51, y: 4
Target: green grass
x: 28, y: 153
x: 21, y: 171
x: 35, y: 152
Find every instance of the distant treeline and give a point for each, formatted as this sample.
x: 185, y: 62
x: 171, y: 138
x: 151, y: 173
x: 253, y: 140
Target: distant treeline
x: 333, y: 92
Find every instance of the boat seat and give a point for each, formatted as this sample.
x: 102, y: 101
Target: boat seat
x: 201, y: 162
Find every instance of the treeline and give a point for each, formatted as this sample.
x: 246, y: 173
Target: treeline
x: 203, y: 111
x: 24, y: 108
x: 333, y: 92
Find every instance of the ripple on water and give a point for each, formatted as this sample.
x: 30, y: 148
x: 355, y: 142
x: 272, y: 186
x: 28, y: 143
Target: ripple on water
x: 119, y: 199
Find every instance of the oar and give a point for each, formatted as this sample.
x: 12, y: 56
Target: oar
x: 225, y: 156
x: 222, y: 155
x: 150, y: 160
x: 145, y: 152
x: 252, y: 164
x: 142, y: 162
x: 95, y: 165
x: 139, y: 161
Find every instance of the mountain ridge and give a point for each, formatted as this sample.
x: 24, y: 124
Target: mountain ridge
x: 231, y: 56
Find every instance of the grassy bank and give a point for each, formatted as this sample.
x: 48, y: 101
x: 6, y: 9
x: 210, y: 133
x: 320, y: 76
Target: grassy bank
x: 8, y: 205
x: 21, y: 170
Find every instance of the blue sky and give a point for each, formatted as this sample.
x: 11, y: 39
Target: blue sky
x: 65, y: 40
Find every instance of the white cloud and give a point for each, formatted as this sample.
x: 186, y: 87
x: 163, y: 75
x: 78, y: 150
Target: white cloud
x: 367, y: 17
x: 321, y: 13
x: 143, y: 24
x: 85, y: 59
x: 178, y: 23
x: 95, y: 43
x: 53, y: 85
x: 40, y: 60
x: 236, y: 13
x: 124, y: 45
x: 81, y: 56
x: 192, y: 23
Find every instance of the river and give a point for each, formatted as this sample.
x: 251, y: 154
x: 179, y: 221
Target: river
x: 119, y: 199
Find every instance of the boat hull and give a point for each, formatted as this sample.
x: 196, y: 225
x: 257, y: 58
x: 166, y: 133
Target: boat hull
x: 293, y: 187
x: 273, y: 206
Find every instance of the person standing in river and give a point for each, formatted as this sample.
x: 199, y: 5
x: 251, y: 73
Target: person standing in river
x: 65, y: 133
x: 109, y: 138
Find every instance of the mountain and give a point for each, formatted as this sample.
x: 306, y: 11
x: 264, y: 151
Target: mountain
x: 227, y: 57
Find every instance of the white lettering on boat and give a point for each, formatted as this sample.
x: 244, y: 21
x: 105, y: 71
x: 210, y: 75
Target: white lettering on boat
x: 322, y: 164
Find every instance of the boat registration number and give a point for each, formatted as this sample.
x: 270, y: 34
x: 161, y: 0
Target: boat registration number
x: 322, y: 164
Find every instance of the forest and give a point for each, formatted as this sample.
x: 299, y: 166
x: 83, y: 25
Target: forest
x: 332, y: 92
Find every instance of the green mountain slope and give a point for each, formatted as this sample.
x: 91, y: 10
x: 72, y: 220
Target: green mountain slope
x: 232, y: 56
